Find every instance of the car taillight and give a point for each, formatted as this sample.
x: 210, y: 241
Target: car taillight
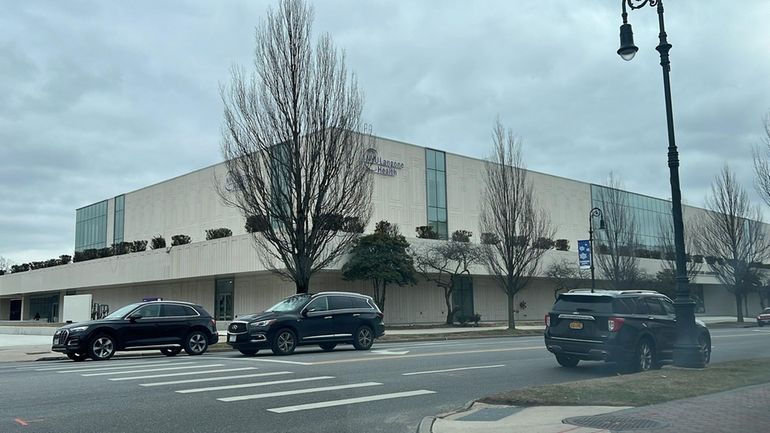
x: 547, y: 320
x: 214, y: 323
x: 615, y: 323
x: 381, y: 315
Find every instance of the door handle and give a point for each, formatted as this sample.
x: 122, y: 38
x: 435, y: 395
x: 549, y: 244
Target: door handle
x: 328, y: 317
x: 356, y: 314
x: 651, y: 317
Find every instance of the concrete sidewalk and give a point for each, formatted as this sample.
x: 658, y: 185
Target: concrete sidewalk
x: 740, y: 410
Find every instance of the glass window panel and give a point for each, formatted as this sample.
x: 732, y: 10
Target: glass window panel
x: 432, y: 213
x: 431, y: 174
x: 440, y: 161
x: 441, y: 189
x: 442, y: 214
x: 430, y: 159
x: 442, y: 231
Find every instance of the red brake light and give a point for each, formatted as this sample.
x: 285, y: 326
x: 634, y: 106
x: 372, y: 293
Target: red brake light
x: 615, y: 323
x: 547, y: 320
x: 214, y: 323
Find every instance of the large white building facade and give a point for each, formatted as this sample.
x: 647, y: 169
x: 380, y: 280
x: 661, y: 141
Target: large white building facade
x: 414, y: 186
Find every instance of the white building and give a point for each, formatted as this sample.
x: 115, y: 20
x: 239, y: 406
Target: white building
x: 413, y: 187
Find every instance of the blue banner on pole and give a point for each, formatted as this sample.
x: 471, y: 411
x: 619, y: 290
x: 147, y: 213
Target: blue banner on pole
x: 584, y: 254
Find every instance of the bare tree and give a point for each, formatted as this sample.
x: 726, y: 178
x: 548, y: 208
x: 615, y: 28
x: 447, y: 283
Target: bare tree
x: 444, y: 262
x: 511, y: 216
x: 666, y: 277
x: 293, y: 148
x: 733, y: 234
x: 762, y: 164
x: 615, y: 256
x: 566, y: 275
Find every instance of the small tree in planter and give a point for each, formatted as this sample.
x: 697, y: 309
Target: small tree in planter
x: 121, y: 248
x: 158, y: 242
x: 218, y: 233
x: 257, y: 224
x: 138, y: 246
x: 65, y: 259
x: 180, y: 240
x: 104, y: 252
x: 543, y: 243
x: 352, y: 225
x: 562, y: 244
x: 490, y: 239
x: 426, y: 232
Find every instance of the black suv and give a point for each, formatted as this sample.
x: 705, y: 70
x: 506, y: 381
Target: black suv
x: 635, y: 328
x: 166, y: 325
x: 325, y: 319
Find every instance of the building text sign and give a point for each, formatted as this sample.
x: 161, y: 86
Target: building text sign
x: 385, y: 167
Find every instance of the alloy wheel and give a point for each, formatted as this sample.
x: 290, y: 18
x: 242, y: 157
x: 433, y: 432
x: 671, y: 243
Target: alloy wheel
x: 103, y: 347
x: 645, y: 356
x: 198, y: 343
x: 285, y: 342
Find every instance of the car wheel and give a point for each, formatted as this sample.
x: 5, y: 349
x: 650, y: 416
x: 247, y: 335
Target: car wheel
x: 328, y: 346
x: 760, y: 323
x: 284, y: 342
x: 704, y: 342
x: 171, y: 351
x: 567, y: 361
x: 363, y: 338
x: 644, y: 357
x: 196, y: 343
x: 77, y: 356
x: 248, y: 352
x: 101, y: 348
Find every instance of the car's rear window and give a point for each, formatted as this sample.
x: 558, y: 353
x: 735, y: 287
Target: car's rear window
x: 584, y: 304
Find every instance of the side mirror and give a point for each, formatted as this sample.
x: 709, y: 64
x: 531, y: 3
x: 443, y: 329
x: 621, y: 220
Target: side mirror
x: 134, y: 317
x: 303, y: 313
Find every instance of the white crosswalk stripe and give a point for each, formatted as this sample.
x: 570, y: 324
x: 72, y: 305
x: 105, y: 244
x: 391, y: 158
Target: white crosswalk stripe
x: 253, y: 385
x: 211, y: 379
x: 298, y: 391
x: 100, y: 366
x: 186, y: 373
x: 147, y: 370
x: 347, y: 401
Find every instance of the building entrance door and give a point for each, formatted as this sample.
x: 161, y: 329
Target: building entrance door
x: 223, y: 302
x: 15, y: 309
x: 462, y: 296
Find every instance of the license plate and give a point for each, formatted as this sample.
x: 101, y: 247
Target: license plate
x: 576, y: 325
x: 231, y: 338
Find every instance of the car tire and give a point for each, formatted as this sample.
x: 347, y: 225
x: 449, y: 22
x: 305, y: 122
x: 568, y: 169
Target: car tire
x: 248, y: 352
x: 328, y: 347
x: 101, y: 347
x: 760, y: 323
x: 171, y: 351
x: 567, y: 361
x: 196, y: 343
x: 704, y: 342
x: 644, y: 358
x: 363, y: 338
x: 284, y: 342
x: 77, y: 356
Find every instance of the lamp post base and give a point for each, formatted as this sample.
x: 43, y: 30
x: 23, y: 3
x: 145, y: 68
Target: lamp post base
x: 688, y: 356
x: 687, y: 351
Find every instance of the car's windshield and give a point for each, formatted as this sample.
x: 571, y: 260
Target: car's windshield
x: 120, y: 312
x: 290, y: 304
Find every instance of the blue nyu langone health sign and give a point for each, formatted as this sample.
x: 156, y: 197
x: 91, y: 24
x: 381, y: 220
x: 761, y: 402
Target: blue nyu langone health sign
x: 584, y: 254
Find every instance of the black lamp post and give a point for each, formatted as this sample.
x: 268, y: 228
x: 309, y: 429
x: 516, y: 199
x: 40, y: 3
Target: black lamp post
x: 687, y: 352
x: 595, y: 212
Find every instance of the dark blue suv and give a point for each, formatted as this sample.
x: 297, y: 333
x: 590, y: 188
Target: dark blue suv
x: 635, y: 328
x: 325, y: 319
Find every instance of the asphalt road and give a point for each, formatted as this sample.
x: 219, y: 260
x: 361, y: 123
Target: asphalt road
x: 388, y: 389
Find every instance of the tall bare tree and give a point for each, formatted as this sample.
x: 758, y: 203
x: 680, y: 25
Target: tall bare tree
x: 666, y: 277
x: 512, y: 217
x: 293, y: 148
x: 445, y: 262
x: 615, y: 255
x: 762, y: 164
x: 733, y: 233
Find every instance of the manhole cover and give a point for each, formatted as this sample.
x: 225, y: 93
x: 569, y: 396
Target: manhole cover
x: 614, y: 423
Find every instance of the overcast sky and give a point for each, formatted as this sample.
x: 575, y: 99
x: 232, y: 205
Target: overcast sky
x: 101, y: 98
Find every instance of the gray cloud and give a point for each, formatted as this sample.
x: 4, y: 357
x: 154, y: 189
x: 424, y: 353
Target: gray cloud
x: 97, y: 98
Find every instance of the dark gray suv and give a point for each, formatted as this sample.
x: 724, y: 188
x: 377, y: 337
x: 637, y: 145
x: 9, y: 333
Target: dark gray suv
x: 325, y: 319
x: 635, y: 328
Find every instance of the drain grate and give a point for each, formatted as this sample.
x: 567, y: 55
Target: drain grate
x: 614, y: 423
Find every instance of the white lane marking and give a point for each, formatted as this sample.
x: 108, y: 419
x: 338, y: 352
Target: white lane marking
x: 211, y: 379
x: 100, y: 366
x: 479, y: 367
x: 277, y: 361
x: 333, y: 403
x: 186, y: 373
x: 298, y: 391
x: 740, y: 335
x: 253, y: 385
x: 148, y: 370
x: 390, y: 352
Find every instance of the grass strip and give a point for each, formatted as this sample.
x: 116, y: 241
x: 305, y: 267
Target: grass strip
x: 641, y: 389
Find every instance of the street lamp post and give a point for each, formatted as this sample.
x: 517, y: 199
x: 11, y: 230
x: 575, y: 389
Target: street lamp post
x: 687, y: 352
x: 595, y: 212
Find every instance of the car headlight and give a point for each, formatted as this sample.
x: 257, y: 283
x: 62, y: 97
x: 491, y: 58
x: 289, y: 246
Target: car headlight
x: 262, y: 323
x: 78, y: 329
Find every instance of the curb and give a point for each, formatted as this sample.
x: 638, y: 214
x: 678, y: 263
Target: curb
x: 426, y: 424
